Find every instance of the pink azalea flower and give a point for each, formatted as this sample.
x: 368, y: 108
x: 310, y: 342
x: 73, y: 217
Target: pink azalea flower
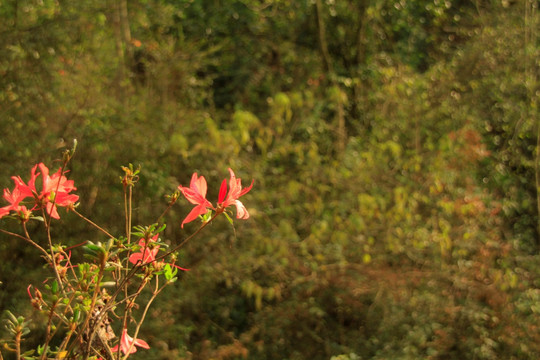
x: 146, y: 254
x: 196, y: 194
x: 128, y: 344
x: 235, y: 191
x: 55, y: 190
x: 30, y: 189
x: 13, y: 198
x: 56, y: 183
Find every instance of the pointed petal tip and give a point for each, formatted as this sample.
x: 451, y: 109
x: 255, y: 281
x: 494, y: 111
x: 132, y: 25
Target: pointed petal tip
x: 222, y: 191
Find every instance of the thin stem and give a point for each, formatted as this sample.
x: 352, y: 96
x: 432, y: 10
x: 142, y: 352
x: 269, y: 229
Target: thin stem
x: 65, y: 342
x: 70, y: 266
x: 48, y: 332
x: 537, y: 178
x: 185, y: 240
x: 53, y: 257
x: 91, y: 312
x: 120, y: 286
x: 93, y: 224
x: 127, y: 311
x: 18, y: 345
x: 127, y: 211
x: 143, y: 316
x: 97, y: 290
x: 171, y: 203
x: 27, y: 239
x: 130, y: 213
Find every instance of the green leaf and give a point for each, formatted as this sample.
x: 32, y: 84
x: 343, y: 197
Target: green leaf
x: 206, y: 217
x: 228, y: 218
x: 54, y: 287
x: 76, y: 315
x: 170, y: 273
x: 161, y: 228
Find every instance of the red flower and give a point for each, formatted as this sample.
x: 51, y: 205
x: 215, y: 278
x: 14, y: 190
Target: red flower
x: 30, y: 189
x: 55, y: 183
x: 56, y: 191
x: 128, y: 344
x: 14, y: 198
x: 147, y: 254
x: 235, y: 191
x: 196, y: 194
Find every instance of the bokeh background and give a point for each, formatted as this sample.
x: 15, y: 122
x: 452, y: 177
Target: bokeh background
x: 394, y: 147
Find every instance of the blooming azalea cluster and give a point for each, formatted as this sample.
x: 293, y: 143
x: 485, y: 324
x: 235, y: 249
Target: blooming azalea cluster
x: 147, y: 253
x: 128, y: 344
x: 45, y: 192
x: 196, y: 194
x: 55, y: 191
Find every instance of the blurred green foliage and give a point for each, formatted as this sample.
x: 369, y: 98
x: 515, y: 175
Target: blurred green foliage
x: 412, y: 234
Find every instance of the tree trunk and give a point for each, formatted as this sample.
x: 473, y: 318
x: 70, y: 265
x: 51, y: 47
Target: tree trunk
x: 331, y: 77
x: 114, y: 18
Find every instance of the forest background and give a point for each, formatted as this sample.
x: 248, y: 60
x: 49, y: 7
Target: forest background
x: 394, y: 147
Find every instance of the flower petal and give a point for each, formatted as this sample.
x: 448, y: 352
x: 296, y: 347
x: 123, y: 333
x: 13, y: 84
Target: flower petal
x: 141, y: 343
x: 51, y: 210
x: 136, y: 257
x: 201, y: 186
x: 241, y: 211
x: 194, y: 213
x: 198, y: 185
x: 246, y: 190
x: 191, y: 195
x: 222, y: 191
x: 4, y: 211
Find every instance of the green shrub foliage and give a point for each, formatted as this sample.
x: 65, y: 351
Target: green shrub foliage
x: 394, y: 147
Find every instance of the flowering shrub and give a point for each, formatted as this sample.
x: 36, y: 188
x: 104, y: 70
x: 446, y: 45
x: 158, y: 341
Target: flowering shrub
x: 85, y: 302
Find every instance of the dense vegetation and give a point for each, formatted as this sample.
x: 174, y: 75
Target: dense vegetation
x: 394, y: 147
